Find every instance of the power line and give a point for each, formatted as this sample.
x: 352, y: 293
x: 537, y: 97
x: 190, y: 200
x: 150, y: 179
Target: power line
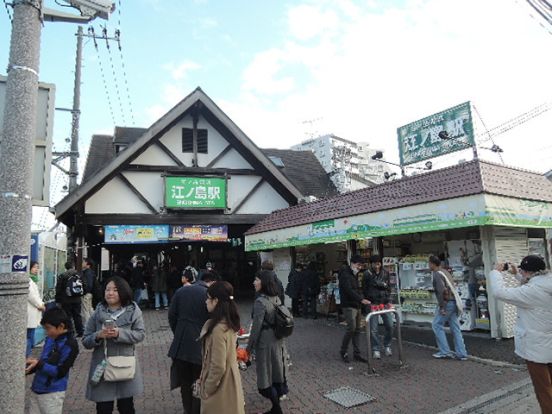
x: 487, y: 131
x: 115, y: 78
x: 8, y: 11
x: 125, y: 77
x: 102, y: 72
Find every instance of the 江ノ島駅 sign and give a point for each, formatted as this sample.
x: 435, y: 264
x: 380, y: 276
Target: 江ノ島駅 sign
x: 195, y: 192
x: 441, y: 133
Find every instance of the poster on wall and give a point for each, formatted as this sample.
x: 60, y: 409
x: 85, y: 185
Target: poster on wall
x: 441, y: 133
x: 195, y: 192
x: 200, y: 232
x: 148, y: 233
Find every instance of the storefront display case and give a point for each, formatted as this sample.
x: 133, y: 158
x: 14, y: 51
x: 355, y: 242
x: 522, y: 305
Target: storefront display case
x: 418, y: 301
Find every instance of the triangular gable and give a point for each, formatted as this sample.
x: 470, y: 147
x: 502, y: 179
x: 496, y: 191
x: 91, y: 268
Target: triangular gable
x: 215, y: 116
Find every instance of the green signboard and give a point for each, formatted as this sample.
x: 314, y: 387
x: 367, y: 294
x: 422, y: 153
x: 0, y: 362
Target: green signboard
x: 441, y: 133
x: 195, y: 192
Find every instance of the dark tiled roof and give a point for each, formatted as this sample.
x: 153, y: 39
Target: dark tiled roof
x: 474, y: 177
x: 99, y: 155
x: 126, y: 135
x: 303, y: 169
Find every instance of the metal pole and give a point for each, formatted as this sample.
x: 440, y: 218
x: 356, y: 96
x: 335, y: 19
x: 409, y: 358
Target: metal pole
x: 74, y: 154
x: 16, y: 166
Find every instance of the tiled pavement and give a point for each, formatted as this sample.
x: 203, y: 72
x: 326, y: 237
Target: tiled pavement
x: 425, y: 386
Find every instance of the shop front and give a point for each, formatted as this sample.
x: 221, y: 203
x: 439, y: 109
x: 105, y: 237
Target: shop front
x: 471, y: 215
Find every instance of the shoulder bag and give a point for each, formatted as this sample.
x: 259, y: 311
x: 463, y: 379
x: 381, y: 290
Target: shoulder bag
x: 118, y: 368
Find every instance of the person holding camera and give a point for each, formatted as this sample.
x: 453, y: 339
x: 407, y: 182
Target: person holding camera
x: 533, y: 333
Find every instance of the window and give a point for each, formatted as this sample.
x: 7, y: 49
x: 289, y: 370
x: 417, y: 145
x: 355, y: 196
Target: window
x: 276, y: 160
x: 188, y: 140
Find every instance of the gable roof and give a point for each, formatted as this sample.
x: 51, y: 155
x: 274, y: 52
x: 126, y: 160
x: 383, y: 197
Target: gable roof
x: 474, y: 177
x: 127, y: 135
x: 305, y: 171
x: 197, y: 99
x: 99, y: 155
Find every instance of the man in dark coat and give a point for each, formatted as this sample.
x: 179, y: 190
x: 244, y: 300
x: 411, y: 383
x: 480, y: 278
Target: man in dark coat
x: 68, y: 301
x: 351, y: 302
x: 294, y: 287
x: 311, y: 289
x: 377, y: 289
x: 137, y: 280
x: 187, y: 315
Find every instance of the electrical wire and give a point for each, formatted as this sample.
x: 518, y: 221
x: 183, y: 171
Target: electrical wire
x: 102, y: 72
x: 115, y: 77
x: 123, y: 66
x: 8, y: 11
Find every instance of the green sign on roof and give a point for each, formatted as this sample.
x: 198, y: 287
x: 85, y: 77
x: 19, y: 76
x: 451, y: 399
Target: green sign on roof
x: 195, y: 192
x: 441, y: 133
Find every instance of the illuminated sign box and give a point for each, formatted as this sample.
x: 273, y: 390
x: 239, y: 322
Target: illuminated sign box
x: 154, y: 233
x: 200, y: 233
x: 195, y: 192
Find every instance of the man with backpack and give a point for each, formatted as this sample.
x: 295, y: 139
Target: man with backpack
x: 92, y: 290
x: 69, y: 291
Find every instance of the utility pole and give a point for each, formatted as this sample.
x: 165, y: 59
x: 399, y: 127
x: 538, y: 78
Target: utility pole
x: 16, y: 158
x: 74, y: 154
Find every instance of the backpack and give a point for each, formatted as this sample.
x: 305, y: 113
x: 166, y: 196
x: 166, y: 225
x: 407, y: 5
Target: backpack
x: 283, y: 322
x: 74, y: 286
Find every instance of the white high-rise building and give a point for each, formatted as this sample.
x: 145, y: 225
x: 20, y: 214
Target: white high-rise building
x: 349, y: 163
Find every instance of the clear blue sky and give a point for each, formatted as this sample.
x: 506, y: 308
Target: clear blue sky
x: 360, y: 69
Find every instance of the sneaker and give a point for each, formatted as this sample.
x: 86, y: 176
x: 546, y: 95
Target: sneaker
x: 283, y: 397
x: 344, y: 357
x: 360, y: 358
x: 440, y: 356
x: 387, y: 351
x: 462, y: 358
x: 376, y: 355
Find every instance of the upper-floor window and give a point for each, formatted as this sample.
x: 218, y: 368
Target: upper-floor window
x: 188, y: 140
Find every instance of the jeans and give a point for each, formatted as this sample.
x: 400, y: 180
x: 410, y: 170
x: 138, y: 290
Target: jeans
x: 30, y: 341
x: 158, y: 296
x: 309, y: 306
x: 124, y: 406
x: 438, y: 326
x: 374, y: 331
x: 352, y: 318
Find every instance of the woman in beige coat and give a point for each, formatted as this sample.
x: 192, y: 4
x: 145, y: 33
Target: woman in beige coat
x: 220, y: 381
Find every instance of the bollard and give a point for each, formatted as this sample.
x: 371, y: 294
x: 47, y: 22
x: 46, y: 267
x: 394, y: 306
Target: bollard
x: 371, y: 369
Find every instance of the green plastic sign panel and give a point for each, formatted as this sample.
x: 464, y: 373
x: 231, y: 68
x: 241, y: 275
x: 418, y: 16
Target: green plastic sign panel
x: 441, y: 133
x: 195, y: 192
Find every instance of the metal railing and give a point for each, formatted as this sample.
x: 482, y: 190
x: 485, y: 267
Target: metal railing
x: 373, y: 314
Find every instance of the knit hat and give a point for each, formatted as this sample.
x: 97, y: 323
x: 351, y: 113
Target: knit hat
x: 532, y: 263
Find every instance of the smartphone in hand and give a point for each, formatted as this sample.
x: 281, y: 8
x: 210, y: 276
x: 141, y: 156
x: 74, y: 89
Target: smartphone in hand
x: 109, y: 324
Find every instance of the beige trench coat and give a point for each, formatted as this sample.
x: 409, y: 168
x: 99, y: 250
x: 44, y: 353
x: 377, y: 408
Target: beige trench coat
x: 221, y: 387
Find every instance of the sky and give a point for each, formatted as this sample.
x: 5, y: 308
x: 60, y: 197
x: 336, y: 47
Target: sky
x: 285, y: 71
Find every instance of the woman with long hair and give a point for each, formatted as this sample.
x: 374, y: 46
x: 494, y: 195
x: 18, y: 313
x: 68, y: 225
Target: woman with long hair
x: 35, y: 307
x: 115, y: 327
x: 270, y: 351
x: 220, y: 381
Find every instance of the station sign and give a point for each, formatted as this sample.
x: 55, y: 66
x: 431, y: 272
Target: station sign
x: 195, y: 192
x: 441, y: 133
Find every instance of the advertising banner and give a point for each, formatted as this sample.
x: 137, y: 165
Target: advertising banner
x: 200, y: 232
x: 421, y: 140
x: 476, y: 210
x: 154, y: 233
x: 195, y: 192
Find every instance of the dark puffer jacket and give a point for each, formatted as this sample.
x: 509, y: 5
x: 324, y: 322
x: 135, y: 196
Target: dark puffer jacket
x: 349, y: 290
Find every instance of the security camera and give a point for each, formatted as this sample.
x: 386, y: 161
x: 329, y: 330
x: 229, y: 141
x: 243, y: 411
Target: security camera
x: 93, y: 8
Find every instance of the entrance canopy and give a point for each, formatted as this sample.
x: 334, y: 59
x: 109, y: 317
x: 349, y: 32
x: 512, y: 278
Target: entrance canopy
x: 470, y: 194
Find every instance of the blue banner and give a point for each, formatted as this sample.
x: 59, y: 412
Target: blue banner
x: 147, y: 233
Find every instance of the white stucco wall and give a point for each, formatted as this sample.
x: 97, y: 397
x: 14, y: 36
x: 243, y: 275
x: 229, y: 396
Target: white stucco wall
x: 115, y: 198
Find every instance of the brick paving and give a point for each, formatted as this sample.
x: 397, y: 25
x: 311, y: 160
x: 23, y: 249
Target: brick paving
x: 425, y: 386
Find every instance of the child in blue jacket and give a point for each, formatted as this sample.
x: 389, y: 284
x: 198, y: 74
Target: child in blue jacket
x: 52, y: 369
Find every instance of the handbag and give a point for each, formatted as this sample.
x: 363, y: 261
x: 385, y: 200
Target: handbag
x: 119, y: 368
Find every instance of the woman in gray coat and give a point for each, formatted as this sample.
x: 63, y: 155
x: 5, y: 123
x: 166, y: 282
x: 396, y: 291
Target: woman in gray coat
x: 121, y: 336
x: 269, y: 351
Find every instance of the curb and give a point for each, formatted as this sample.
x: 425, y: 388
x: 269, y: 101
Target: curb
x: 507, y: 395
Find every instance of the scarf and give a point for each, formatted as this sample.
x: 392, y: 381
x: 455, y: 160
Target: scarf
x: 34, y: 278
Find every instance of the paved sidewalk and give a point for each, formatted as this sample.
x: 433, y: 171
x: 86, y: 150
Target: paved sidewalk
x: 425, y: 386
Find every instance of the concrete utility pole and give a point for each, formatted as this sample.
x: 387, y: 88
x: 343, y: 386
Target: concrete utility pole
x: 74, y: 154
x: 16, y: 158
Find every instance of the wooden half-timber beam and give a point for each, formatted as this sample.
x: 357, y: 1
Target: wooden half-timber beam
x: 137, y: 193
x: 169, y: 153
x: 177, y: 219
x: 248, y: 196
x: 219, y: 156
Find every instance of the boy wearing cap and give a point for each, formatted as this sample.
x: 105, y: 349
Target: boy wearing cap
x: 533, y: 333
x: 351, y: 301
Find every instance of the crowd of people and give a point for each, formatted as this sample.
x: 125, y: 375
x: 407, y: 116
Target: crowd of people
x: 204, y: 318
